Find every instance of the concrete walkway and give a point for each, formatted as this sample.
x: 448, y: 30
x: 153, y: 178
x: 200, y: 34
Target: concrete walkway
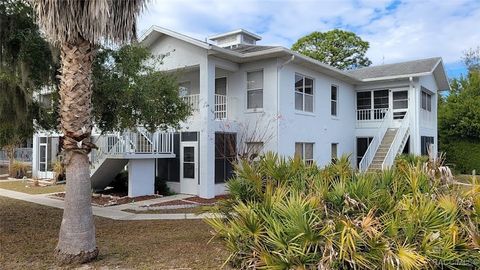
x: 112, y: 212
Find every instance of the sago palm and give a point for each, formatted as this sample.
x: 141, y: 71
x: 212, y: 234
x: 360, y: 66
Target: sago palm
x: 77, y: 27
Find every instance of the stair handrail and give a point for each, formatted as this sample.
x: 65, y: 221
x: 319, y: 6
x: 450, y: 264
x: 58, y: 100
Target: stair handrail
x: 102, y: 147
x: 398, y: 142
x: 376, y: 141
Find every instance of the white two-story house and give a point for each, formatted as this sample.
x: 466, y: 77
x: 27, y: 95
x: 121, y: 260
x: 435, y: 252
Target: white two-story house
x: 251, y: 96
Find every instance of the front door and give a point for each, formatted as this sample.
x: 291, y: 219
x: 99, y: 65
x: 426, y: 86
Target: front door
x: 43, y: 157
x: 189, y: 168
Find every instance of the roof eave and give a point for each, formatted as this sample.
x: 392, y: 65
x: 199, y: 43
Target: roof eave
x: 148, y: 37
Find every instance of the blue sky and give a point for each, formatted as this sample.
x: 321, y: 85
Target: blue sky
x: 398, y: 30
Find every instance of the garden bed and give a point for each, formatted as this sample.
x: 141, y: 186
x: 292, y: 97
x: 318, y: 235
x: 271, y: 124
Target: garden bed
x: 189, y: 201
x: 110, y: 200
x: 31, y: 187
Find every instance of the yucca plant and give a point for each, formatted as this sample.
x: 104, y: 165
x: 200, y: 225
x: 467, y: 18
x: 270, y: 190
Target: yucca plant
x: 285, y: 214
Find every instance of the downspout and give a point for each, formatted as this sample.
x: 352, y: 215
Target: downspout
x: 278, y: 95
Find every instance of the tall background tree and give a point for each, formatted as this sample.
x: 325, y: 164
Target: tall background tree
x: 459, y: 118
x: 338, y: 48
x: 26, y: 65
x: 77, y: 27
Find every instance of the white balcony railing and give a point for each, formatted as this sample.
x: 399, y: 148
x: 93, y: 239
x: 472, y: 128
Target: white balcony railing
x: 371, y: 114
x: 193, y: 101
x: 220, y: 107
x: 125, y: 143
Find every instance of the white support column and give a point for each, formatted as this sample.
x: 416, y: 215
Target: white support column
x: 415, y: 96
x: 207, y: 132
x: 141, y: 177
x: 35, y: 156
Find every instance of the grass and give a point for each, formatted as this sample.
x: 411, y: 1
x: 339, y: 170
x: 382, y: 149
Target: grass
x: 29, y: 232
x: 27, y: 187
x: 464, y: 178
x: 193, y: 210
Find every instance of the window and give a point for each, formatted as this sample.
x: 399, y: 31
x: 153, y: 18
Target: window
x: 221, y: 86
x: 189, y: 162
x: 253, y: 149
x: 255, y: 89
x: 334, y: 100
x: 304, y: 151
x: 225, y: 154
x: 168, y: 169
x: 426, y: 101
x: 400, y: 104
x: 303, y: 93
x: 334, y: 152
x: 426, y: 142
x: 380, y: 99
x: 364, y: 104
x: 184, y: 88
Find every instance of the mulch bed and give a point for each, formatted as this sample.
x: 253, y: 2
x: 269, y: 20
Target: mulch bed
x: 190, y: 201
x: 206, y: 201
x: 108, y: 200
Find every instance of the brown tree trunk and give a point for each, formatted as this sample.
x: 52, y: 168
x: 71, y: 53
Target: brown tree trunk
x: 76, y: 242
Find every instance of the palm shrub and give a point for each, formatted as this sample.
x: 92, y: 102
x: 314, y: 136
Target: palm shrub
x: 285, y: 214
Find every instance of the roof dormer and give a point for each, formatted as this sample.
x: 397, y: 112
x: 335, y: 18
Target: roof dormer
x: 235, y: 38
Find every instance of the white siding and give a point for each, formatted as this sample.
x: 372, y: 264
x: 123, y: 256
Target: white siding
x: 318, y: 127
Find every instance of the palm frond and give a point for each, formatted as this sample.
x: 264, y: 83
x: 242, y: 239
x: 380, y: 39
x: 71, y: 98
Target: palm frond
x: 93, y: 20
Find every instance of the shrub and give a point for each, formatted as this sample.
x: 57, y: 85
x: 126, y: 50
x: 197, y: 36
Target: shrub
x: 463, y: 155
x: 120, y: 182
x: 285, y: 214
x: 161, y: 187
x: 59, y: 171
x: 18, y: 169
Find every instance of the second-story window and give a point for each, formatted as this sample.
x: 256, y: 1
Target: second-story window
x: 334, y: 100
x: 255, y: 89
x: 303, y: 93
x: 426, y: 101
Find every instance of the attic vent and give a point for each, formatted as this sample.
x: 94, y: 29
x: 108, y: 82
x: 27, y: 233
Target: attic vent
x: 235, y: 38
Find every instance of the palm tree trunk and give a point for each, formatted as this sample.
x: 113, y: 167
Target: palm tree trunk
x: 76, y: 242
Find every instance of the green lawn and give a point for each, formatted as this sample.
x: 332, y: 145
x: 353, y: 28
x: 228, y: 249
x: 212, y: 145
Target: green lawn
x: 27, y: 187
x: 28, y: 234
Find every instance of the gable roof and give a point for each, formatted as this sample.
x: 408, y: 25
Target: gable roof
x: 406, y: 69
x: 248, y: 53
x: 396, y: 69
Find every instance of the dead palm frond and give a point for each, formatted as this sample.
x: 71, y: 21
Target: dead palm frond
x: 93, y: 20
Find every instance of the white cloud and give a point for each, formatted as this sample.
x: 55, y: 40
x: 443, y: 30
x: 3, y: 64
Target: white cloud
x: 396, y: 30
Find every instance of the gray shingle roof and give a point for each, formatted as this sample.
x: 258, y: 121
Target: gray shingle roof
x: 397, y: 69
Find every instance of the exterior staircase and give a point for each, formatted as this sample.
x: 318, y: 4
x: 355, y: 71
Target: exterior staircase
x: 116, y: 149
x: 387, y: 144
x: 383, y: 149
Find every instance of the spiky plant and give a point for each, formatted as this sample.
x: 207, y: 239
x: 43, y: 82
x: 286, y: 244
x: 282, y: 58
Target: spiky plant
x: 77, y: 27
x: 333, y: 218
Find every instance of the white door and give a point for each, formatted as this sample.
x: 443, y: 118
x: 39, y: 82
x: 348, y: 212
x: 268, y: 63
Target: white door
x: 42, y: 161
x: 189, y: 168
